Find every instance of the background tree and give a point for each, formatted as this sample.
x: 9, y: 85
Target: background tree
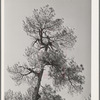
x: 49, y: 37
x: 47, y: 93
x: 10, y: 95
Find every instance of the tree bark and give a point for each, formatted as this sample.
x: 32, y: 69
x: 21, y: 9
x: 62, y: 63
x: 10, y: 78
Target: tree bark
x: 38, y: 85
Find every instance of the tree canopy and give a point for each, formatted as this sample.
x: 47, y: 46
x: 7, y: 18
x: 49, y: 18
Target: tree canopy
x: 49, y: 37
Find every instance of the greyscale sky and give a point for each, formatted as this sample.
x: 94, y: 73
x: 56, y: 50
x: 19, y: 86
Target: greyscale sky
x: 76, y: 14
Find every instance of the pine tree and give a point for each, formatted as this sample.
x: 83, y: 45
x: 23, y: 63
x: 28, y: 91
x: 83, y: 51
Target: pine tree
x: 49, y: 37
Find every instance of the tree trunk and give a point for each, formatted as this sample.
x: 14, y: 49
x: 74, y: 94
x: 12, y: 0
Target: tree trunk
x: 41, y: 72
x: 38, y: 85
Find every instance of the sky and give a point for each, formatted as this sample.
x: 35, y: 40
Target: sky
x: 76, y: 14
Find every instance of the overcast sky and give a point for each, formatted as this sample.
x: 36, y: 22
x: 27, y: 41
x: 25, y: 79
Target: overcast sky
x: 76, y: 14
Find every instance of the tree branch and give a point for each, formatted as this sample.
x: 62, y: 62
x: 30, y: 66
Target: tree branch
x: 31, y: 70
x: 25, y: 74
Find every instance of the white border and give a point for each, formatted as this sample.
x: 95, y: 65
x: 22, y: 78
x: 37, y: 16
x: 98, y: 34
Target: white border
x: 2, y: 49
x: 94, y: 49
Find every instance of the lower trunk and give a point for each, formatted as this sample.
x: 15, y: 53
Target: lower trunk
x: 38, y: 85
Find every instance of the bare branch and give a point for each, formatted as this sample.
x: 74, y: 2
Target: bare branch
x: 30, y: 70
x: 25, y: 74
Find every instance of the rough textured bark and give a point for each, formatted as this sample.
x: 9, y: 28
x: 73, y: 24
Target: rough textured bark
x: 38, y: 84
